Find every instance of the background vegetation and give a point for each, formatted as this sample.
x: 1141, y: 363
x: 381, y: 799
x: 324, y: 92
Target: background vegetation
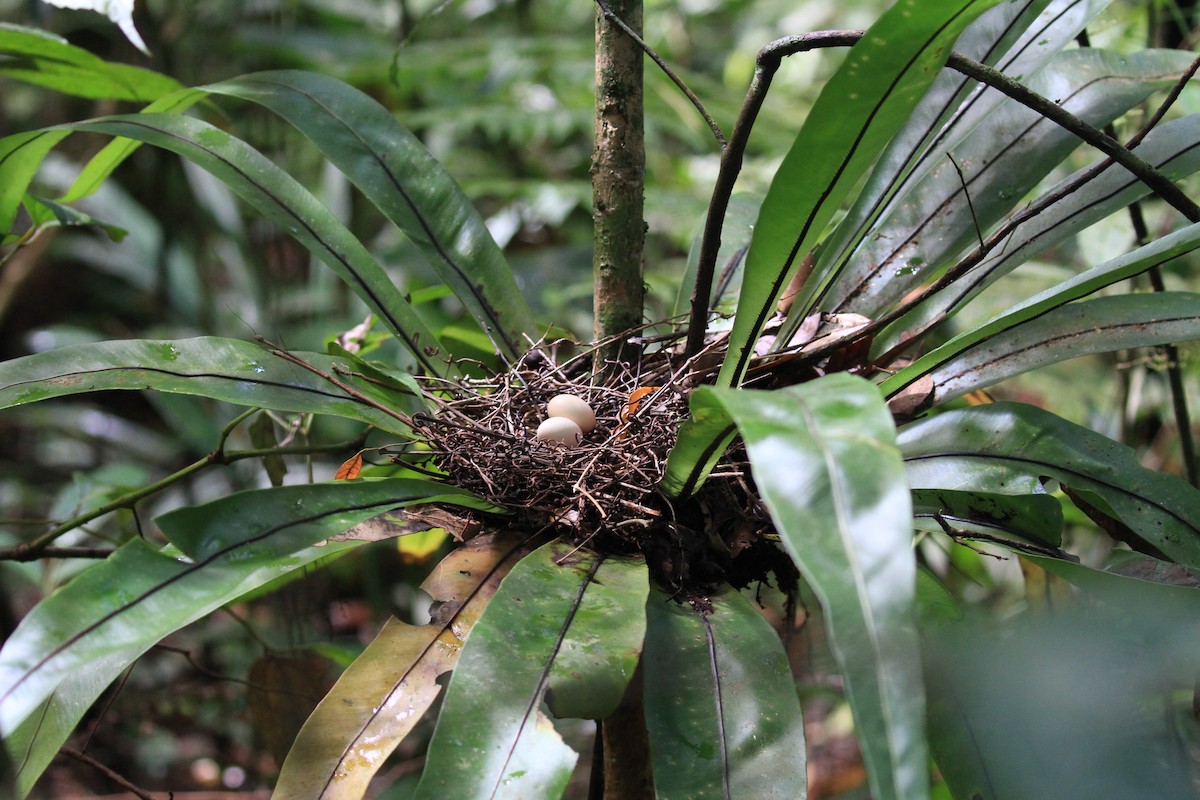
x: 501, y: 94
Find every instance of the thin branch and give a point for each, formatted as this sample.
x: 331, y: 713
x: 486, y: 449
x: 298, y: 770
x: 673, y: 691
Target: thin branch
x: 766, y: 64
x: 1160, y: 184
x: 113, y: 776
x: 39, y: 547
x: 670, y: 73
x: 1179, y: 403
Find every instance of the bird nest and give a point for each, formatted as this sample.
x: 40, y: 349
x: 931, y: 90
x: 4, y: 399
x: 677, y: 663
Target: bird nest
x: 603, y: 493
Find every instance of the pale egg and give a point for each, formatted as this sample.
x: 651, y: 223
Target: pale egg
x: 560, y: 430
x: 573, y: 408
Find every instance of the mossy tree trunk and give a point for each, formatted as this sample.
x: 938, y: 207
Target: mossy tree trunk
x: 618, y: 176
x: 618, y: 173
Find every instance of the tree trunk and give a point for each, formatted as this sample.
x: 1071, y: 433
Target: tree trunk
x: 618, y: 174
x: 626, y: 748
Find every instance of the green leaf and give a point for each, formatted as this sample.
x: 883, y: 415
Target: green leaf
x: 243, y: 373
x: 37, y: 740
x: 1008, y: 448
x: 116, y: 610
x: 385, y: 692
x: 46, y: 213
x: 703, y: 438
x: 556, y: 599
x: 395, y: 171
x: 20, y: 156
x: 1088, y: 702
x: 1010, y: 36
x: 113, y: 154
x: 721, y: 704
x: 280, y: 198
x: 859, y: 110
x: 602, y: 647
x: 1035, y: 320
x: 46, y: 60
x: 823, y: 455
x: 1100, y: 325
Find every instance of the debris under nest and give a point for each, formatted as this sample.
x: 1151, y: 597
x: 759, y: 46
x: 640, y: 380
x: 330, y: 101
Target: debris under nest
x: 603, y: 494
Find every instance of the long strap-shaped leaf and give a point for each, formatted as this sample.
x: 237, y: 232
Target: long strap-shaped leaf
x: 47, y: 60
x: 551, y: 602
x: 1173, y: 148
x: 116, y: 610
x: 858, y: 111
x: 1100, y: 325
x: 1157, y: 253
x: 395, y: 171
x: 380, y: 698
x: 1010, y: 447
x: 1017, y: 38
x: 721, y: 704
x: 243, y: 373
x: 280, y: 198
x: 823, y: 455
x: 982, y: 177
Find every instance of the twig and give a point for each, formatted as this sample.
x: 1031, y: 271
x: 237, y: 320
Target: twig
x: 113, y: 776
x: 670, y: 73
x: 39, y: 547
x: 345, y: 387
x: 1146, y: 173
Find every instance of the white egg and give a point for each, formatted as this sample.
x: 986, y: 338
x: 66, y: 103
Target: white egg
x: 560, y: 430
x: 574, y: 409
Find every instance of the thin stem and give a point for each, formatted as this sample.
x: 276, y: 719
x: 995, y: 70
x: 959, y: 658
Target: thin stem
x: 670, y: 73
x: 1179, y: 403
x: 113, y: 776
x: 38, y: 547
x: 1160, y: 184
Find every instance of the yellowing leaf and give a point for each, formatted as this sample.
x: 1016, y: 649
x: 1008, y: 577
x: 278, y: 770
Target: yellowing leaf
x: 387, y: 690
x: 416, y: 548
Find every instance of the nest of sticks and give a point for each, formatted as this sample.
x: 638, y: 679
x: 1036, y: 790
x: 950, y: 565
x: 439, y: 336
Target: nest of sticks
x: 603, y: 494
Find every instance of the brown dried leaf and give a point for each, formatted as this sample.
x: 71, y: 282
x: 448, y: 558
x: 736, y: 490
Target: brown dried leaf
x: 349, y: 470
x: 912, y: 399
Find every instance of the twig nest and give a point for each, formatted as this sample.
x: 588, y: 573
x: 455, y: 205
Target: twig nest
x: 560, y: 431
x: 573, y: 408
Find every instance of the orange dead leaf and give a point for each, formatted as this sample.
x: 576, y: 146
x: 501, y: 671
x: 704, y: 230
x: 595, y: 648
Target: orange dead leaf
x: 350, y: 469
x: 978, y: 398
x: 635, y: 399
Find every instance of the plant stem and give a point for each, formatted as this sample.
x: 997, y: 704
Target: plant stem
x: 37, y: 548
x: 618, y: 177
x: 626, y: 747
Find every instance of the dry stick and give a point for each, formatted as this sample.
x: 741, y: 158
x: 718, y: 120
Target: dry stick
x: 1010, y: 227
x: 768, y: 62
